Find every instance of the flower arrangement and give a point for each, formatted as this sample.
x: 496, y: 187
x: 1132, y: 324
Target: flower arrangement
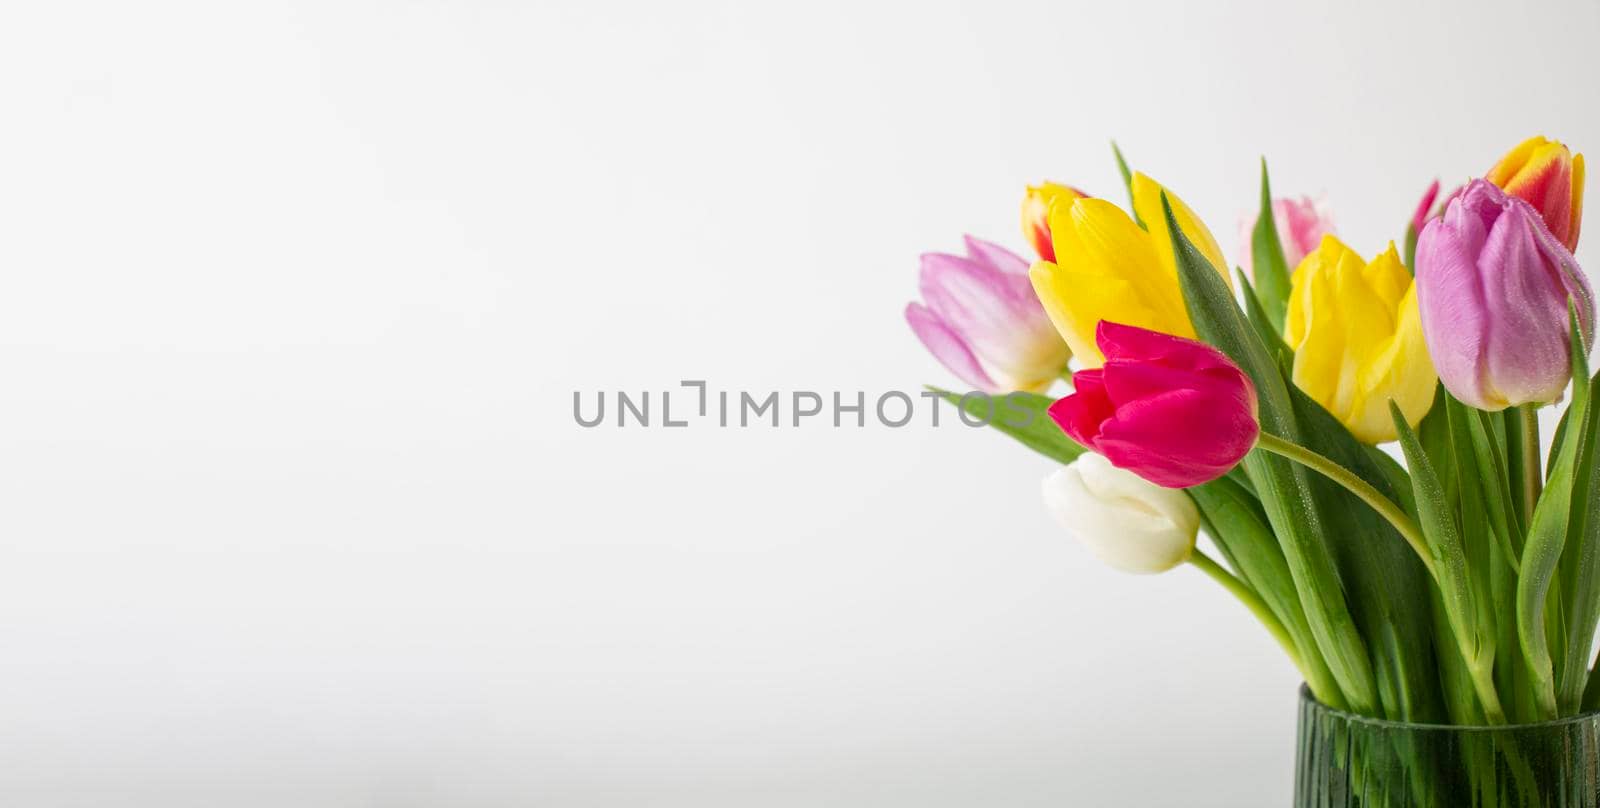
x: 1358, y: 437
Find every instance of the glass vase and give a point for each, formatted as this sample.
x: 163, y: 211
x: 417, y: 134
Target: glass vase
x: 1346, y: 761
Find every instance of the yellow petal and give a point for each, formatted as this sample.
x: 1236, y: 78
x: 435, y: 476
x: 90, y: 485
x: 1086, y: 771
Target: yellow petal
x: 1036, y: 205
x: 1324, y: 260
x: 1357, y: 336
x: 1403, y: 372
x: 1315, y: 329
x: 1077, y: 300
x: 1147, y: 203
x: 1388, y: 278
x: 1513, y: 162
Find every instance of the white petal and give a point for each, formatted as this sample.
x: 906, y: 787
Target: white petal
x: 1128, y: 523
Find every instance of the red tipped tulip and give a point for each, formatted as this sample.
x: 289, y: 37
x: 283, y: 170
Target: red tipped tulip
x: 1174, y: 411
x: 1548, y: 176
x: 1036, y: 204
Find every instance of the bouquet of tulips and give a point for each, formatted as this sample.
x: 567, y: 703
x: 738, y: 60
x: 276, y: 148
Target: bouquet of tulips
x: 1358, y: 438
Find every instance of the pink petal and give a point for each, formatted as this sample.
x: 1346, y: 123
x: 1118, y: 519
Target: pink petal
x: 1126, y: 342
x: 1424, y: 207
x: 1081, y: 413
x: 1526, y: 344
x: 1179, y: 438
x: 948, y: 347
x: 992, y: 310
x: 1450, y: 296
x: 994, y: 256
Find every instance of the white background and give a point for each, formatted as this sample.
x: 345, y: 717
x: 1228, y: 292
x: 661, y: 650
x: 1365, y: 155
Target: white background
x: 293, y: 508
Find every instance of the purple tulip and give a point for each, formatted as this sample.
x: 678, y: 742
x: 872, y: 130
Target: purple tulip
x: 982, y: 321
x: 1493, y: 286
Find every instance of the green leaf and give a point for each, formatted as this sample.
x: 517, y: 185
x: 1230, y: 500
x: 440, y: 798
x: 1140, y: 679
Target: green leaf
x: 1547, y: 533
x: 1257, y: 316
x: 1558, y: 514
x: 1451, y: 570
x: 1434, y: 433
x: 1482, y: 500
x: 1285, y: 488
x: 1127, y: 181
x: 1271, y: 267
x: 1238, y: 527
x: 1580, y: 562
x: 1396, y: 476
x: 1021, y: 415
x: 1489, y: 456
x: 1581, y: 582
x: 1388, y: 587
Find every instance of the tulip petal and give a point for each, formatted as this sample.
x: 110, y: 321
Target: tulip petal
x: 1424, y: 207
x: 1076, y: 301
x: 1122, y: 341
x: 948, y: 347
x: 1545, y: 182
x: 1179, y: 438
x: 994, y: 312
x: 1451, y: 295
x: 1036, y: 206
x: 1527, y: 346
x: 1147, y: 203
x: 994, y: 256
x: 1124, y: 521
x: 1578, y: 173
x: 1403, y: 372
x: 1081, y: 413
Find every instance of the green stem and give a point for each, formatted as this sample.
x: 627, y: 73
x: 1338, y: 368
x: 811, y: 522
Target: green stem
x: 1385, y: 507
x: 1591, y: 691
x: 1483, y: 682
x: 1528, y: 419
x: 1251, y: 601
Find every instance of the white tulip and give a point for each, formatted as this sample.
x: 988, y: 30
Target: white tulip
x: 1130, y: 524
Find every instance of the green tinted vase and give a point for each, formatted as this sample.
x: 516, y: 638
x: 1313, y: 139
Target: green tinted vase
x: 1347, y: 761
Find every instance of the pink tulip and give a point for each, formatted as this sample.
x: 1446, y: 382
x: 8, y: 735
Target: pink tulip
x: 1301, y: 225
x: 1174, y: 411
x: 983, y: 322
x: 1493, y: 284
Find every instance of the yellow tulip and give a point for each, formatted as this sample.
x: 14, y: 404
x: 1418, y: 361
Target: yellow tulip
x: 1108, y: 268
x: 1357, y: 339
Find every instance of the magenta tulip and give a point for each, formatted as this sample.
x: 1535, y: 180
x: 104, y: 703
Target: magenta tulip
x: 1424, y: 211
x: 982, y: 321
x: 1171, y: 410
x: 1493, y: 285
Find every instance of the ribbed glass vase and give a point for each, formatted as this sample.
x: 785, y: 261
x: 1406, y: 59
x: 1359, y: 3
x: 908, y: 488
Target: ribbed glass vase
x: 1347, y: 761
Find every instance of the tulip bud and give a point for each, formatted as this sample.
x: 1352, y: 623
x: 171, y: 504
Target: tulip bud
x: 1357, y: 339
x: 1301, y: 224
x: 982, y: 321
x: 1493, y: 284
x: 1424, y: 208
x: 1174, y: 411
x: 1129, y: 524
x: 1036, y: 214
x: 1548, y: 176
